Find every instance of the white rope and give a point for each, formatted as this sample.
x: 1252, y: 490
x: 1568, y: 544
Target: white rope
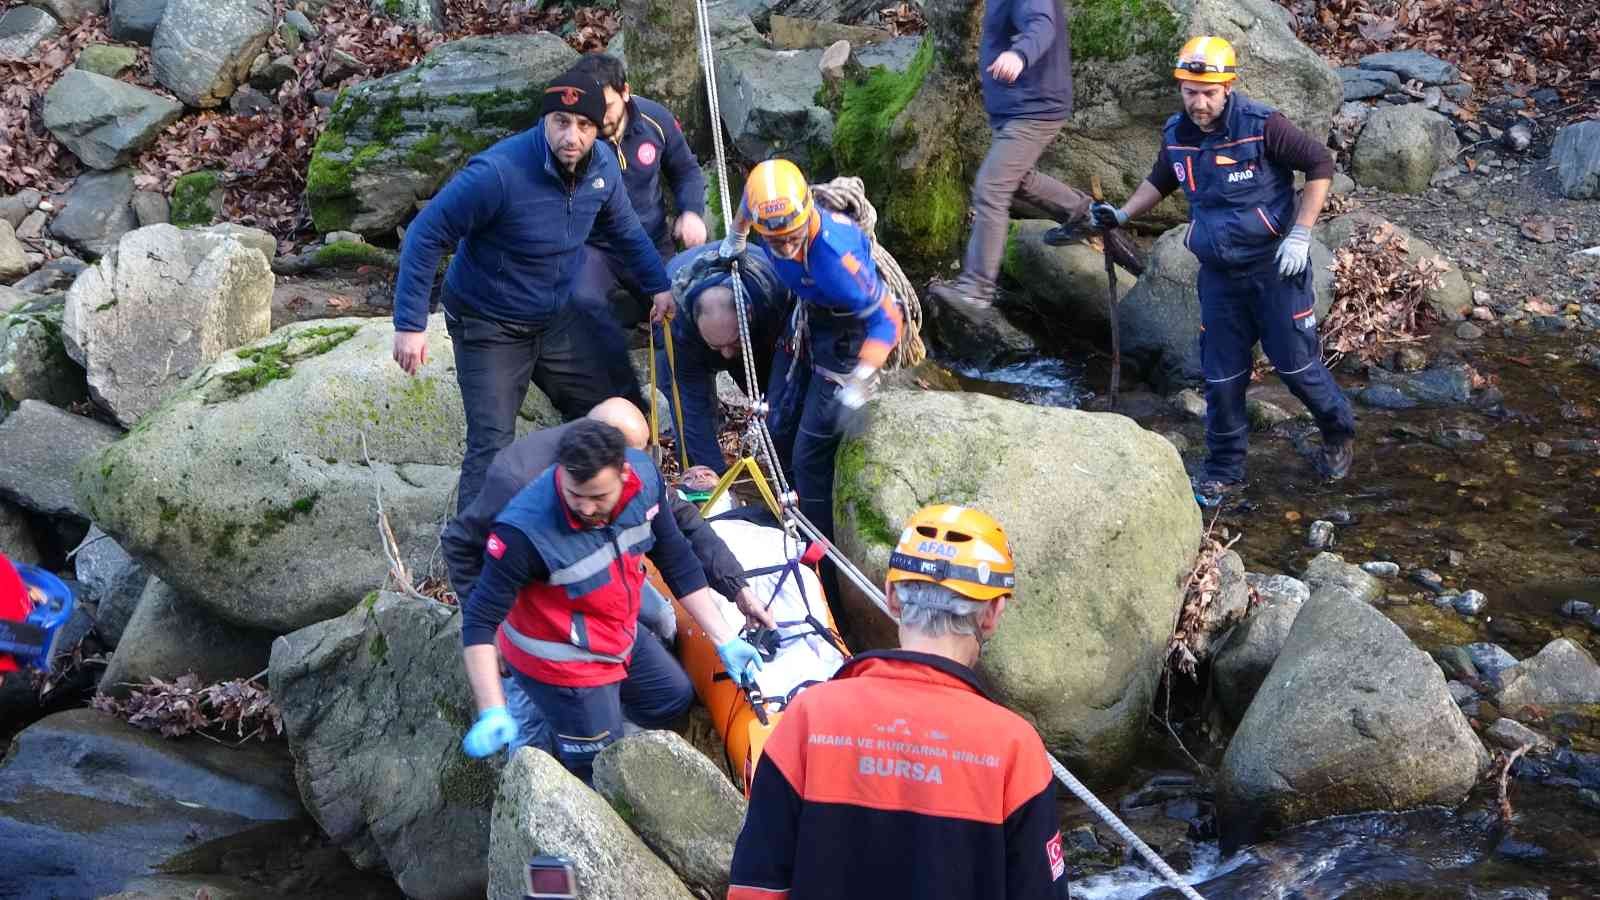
x: 848, y: 195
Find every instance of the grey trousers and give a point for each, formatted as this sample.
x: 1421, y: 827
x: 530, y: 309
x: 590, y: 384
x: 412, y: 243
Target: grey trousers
x: 1007, y: 175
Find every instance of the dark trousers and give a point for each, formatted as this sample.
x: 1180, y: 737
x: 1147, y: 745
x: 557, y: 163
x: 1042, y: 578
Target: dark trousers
x: 495, y: 362
x: 1007, y: 177
x: 804, y: 420
x: 586, y: 720
x: 600, y: 274
x: 1237, y: 308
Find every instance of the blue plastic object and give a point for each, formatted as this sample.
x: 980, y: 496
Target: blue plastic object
x: 32, y: 642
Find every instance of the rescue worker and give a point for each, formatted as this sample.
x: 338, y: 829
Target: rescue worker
x: 842, y: 332
x: 516, y: 218
x: 705, y: 334
x: 1025, y: 71
x: 526, y: 459
x: 559, y: 598
x: 1235, y: 159
x: 655, y: 159
x: 14, y: 607
x: 901, y: 777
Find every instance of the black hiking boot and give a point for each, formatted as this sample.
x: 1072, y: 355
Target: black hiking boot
x: 1333, y: 463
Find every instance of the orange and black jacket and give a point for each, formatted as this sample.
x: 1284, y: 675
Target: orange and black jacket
x: 900, y: 778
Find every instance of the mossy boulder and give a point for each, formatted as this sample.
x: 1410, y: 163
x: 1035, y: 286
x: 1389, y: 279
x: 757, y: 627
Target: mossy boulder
x: 394, y: 141
x: 196, y: 199
x: 1351, y: 718
x: 375, y: 703
x: 33, y: 362
x: 1059, y: 284
x: 249, y: 488
x: 1103, y: 526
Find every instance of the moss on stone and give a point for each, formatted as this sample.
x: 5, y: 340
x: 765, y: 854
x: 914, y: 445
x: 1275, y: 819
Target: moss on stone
x: 1011, y: 261
x: 851, y: 493
x: 1113, y: 30
x: 349, y: 253
x: 270, y: 362
x: 424, y: 154
x: 276, y: 519
x: 369, y: 601
x: 468, y: 782
x: 192, y: 199
x: 378, y: 649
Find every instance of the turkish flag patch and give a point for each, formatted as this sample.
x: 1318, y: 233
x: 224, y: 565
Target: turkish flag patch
x: 1056, y: 856
x: 497, y: 549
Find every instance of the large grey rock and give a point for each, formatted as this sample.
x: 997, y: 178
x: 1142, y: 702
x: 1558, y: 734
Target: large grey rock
x: 394, y: 141
x: 68, y: 12
x: 375, y: 704
x: 1412, y: 65
x: 103, y: 121
x: 1328, y: 573
x: 202, y: 49
x: 540, y: 808
x: 678, y: 801
x: 1577, y: 158
x: 1123, y: 90
x: 170, y: 635
x: 135, y: 21
x: 1243, y: 662
x: 429, y: 13
x: 1562, y: 674
x: 165, y: 304
x: 82, y: 786
x: 96, y: 211
x: 1401, y: 148
x: 1159, y: 318
x: 1363, y: 84
x: 1441, y: 386
x: 248, y: 491
x: 982, y: 337
x: 16, y: 537
x: 1452, y: 299
x: 112, y: 580
x: 33, y: 363
x: 1228, y: 606
x: 1351, y: 718
x: 53, y: 277
x: 23, y: 29
x: 13, y: 299
x: 1060, y: 283
x: 1272, y: 588
x: 14, y: 207
x: 1098, y: 554
x: 13, y: 258
x: 39, y: 447
x: 109, y: 60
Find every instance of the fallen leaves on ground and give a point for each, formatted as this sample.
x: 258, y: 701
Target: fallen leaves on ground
x: 1378, y: 295
x: 1197, y: 621
x: 1539, y: 230
x: 185, y: 706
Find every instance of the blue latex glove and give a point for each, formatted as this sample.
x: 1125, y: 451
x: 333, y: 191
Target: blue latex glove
x: 1103, y: 215
x: 740, y: 659
x: 494, y: 731
x: 1293, y: 252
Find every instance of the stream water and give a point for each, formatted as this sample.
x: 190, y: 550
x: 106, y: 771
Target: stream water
x: 1505, y: 500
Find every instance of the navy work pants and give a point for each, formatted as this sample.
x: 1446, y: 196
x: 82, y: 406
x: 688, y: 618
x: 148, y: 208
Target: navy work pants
x: 804, y: 420
x: 600, y: 275
x: 1237, y: 308
x: 495, y: 361
x: 586, y: 720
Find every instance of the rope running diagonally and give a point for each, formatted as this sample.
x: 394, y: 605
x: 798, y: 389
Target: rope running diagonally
x: 798, y: 520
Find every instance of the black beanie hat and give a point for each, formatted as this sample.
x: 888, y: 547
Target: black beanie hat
x: 576, y: 93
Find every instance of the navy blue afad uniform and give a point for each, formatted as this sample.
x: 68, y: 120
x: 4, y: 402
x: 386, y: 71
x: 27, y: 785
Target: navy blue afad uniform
x: 1241, y: 203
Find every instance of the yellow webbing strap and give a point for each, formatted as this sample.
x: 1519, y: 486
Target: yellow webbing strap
x: 677, y: 403
x: 732, y: 475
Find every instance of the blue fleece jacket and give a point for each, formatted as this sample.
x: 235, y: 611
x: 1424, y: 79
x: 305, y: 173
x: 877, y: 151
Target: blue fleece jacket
x: 1037, y: 31
x: 653, y: 149
x: 516, y: 222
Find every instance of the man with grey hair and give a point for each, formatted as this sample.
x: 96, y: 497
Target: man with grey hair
x: 900, y: 777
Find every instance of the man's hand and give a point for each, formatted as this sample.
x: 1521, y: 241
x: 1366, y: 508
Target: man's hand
x: 1104, y: 216
x: 732, y: 246
x: 1293, y: 252
x: 858, y: 388
x: 741, y: 660
x: 690, y: 230
x: 752, y: 608
x: 1007, y: 66
x: 411, y: 350
x: 494, y: 731
x: 661, y: 307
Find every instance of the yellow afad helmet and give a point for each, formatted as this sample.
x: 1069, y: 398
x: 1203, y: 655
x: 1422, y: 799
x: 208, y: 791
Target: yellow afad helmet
x: 963, y: 549
x: 777, y: 197
x: 1208, y: 59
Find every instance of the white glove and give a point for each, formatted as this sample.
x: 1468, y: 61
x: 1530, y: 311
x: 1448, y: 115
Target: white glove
x: 1293, y: 251
x: 858, y: 388
x: 732, y: 246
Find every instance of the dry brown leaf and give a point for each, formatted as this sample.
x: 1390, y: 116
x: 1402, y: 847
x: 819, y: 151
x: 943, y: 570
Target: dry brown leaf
x: 1540, y: 230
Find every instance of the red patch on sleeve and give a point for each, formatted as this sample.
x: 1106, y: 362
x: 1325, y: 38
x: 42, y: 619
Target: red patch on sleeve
x: 495, y: 546
x: 1057, y: 858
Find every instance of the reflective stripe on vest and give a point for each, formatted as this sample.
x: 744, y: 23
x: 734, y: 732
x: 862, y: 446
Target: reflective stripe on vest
x: 601, y: 557
x: 555, y: 651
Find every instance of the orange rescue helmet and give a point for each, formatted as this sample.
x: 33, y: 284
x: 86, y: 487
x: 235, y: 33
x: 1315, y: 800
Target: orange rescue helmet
x: 1206, y: 58
x: 777, y: 198
x: 962, y: 549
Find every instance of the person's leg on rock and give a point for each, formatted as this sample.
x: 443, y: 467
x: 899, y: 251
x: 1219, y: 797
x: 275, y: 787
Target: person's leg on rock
x: 1285, y: 313
x: 657, y: 691
x: 585, y: 720
x: 570, y: 369
x: 1227, y: 339
x: 494, y: 361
